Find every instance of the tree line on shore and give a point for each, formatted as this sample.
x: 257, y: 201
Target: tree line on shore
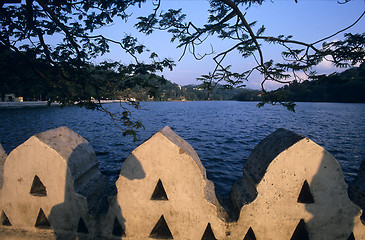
x: 20, y: 78
x: 348, y: 86
x: 17, y: 78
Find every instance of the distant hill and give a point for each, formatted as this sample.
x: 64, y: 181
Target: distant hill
x: 164, y: 90
x: 248, y: 95
x: 174, y: 92
x: 348, y: 86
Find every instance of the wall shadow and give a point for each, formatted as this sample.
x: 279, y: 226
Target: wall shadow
x: 318, y: 198
x: 102, y: 218
x: 132, y: 168
x: 325, y: 197
x: 3, y: 157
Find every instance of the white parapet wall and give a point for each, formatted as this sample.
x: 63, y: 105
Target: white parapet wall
x: 291, y: 189
x: 164, y: 183
x: 52, y: 182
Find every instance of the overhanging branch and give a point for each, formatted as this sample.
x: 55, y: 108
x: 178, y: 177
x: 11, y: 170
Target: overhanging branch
x: 57, y: 21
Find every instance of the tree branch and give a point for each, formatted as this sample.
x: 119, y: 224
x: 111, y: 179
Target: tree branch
x: 55, y: 18
x: 235, y: 8
x: 113, y: 41
x: 324, y: 39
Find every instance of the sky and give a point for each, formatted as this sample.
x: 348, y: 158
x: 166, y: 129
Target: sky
x: 307, y: 20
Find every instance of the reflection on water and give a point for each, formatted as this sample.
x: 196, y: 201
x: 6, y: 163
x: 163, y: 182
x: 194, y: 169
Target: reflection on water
x: 222, y: 133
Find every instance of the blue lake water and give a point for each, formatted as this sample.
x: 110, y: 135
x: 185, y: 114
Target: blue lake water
x: 222, y: 133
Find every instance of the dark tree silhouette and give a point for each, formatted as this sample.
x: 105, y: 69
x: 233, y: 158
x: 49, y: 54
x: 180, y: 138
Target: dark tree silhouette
x: 227, y: 21
x: 69, y: 76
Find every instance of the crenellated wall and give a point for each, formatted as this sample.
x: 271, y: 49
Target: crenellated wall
x: 291, y: 189
x: 292, y: 185
x: 51, y: 182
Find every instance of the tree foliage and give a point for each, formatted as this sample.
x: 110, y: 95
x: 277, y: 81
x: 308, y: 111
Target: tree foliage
x: 227, y: 21
x: 248, y: 95
x: 56, y: 40
x: 348, y: 86
x: 174, y: 92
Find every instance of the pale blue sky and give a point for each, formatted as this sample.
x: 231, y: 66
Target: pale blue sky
x: 307, y: 20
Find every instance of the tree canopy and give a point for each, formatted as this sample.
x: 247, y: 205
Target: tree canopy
x: 348, y: 86
x: 67, y: 74
x: 227, y: 21
x: 56, y: 41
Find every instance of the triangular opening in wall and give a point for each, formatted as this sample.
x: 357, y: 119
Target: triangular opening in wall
x: 161, y: 230
x: 159, y: 193
x: 250, y: 235
x: 351, y: 237
x: 4, y: 219
x: 38, y: 189
x: 300, y: 232
x: 208, y: 233
x: 305, y: 195
x: 118, y: 229
x: 42, y: 220
x: 81, y: 227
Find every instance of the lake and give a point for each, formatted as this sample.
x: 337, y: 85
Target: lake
x: 222, y: 133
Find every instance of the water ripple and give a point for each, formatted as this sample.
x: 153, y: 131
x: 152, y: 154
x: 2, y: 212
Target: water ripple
x: 222, y: 133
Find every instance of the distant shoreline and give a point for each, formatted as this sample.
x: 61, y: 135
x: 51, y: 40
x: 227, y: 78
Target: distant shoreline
x: 26, y: 104
x: 31, y: 104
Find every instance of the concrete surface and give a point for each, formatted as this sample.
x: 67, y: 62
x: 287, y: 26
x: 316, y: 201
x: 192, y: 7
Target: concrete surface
x: 50, y: 182
x: 191, y: 204
x: 280, y: 200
